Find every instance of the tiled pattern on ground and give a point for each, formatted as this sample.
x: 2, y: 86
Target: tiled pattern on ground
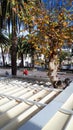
x: 22, y: 99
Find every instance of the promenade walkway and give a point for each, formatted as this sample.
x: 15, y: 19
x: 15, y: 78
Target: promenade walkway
x: 36, y: 74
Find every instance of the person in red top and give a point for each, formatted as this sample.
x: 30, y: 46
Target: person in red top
x: 25, y: 72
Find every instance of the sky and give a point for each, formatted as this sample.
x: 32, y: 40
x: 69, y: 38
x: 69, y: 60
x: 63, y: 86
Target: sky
x: 55, y: 2
x: 52, y: 3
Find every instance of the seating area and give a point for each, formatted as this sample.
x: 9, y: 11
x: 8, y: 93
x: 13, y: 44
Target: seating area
x: 20, y: 100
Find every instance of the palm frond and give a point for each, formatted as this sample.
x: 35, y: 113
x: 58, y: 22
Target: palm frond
x: 3, y: 39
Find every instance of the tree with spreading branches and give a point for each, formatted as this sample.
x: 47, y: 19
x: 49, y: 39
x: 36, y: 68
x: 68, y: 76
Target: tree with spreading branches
x: 47, y: 32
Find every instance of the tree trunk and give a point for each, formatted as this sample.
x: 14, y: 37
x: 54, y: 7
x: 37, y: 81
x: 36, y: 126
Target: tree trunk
x: 32, y: 59
x: 14, y: 45
x: 53, y: 68
x: 3, y: 56
x: 22, y: 62
x: 14, y: 56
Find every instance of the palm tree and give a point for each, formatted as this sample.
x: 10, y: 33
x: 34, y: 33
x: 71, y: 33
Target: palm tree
x: 24, y: 47
x: 3, y: 39
x: 14, y: 9
x: 10, y: 14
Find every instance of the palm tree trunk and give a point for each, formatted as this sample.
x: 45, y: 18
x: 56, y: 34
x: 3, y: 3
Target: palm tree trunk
x: 32, y: 59
x: 3, y: 56
x: 22, y: 63
x: 14, y: 56
x: 14, y: 45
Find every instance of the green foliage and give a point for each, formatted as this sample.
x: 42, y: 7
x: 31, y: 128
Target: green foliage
x: 24, y: 47
x: 63, y: 55
x: 3, y: 39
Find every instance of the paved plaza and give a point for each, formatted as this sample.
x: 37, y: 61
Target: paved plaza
x: 35, y: 74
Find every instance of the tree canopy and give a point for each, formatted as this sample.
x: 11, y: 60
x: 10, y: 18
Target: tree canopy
x: 47, y: 31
